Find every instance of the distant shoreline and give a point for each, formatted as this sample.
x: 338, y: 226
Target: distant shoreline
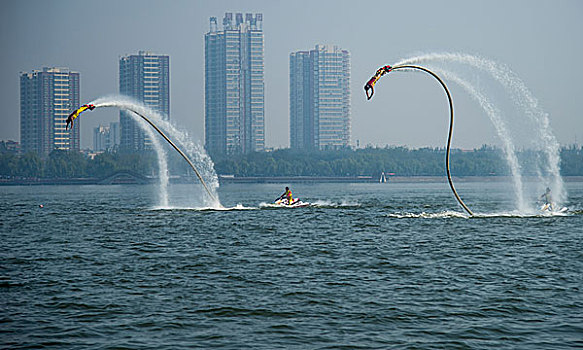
x: 270, y: 179
x: 391, y: 179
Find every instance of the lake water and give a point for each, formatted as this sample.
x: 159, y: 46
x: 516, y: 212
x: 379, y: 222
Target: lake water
x: 370, y: 266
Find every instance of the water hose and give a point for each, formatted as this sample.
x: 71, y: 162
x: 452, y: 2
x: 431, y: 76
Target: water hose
x: 369, y: 86
x: 181, y: 153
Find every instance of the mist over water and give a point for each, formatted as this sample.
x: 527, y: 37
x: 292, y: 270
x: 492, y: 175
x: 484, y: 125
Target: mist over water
x: 195, y: 152
x: 535, y: 127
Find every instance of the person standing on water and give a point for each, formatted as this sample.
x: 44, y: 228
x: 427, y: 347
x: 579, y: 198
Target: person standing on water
x: 548, y: 199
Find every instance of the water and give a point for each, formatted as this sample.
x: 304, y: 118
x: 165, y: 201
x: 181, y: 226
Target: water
x: 371, y: 266
x: 545, y: 141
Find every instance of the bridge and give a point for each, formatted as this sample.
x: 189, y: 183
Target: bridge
x: 125, y: 177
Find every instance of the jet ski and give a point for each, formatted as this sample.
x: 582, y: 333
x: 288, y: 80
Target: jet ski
x: 296, y: 203
x: 552, y: 208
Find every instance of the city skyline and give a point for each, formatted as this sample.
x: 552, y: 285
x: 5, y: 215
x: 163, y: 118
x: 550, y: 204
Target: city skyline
x: 526, y: 37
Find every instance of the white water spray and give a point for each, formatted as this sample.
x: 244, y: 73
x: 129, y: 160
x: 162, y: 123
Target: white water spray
x: 162, y: 163
x: 501, y: 129
x: 522, y: 96
x: 192, y: 149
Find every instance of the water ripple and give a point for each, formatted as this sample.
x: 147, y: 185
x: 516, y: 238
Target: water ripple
x: 370, y: 276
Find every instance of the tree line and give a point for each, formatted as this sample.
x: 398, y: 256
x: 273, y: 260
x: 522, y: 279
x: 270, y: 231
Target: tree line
x: 68, y: 164
x: 402, y: 161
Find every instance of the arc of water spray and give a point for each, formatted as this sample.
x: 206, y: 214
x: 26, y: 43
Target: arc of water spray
x: 162, y: 164
x: 370, y: 87
x: 174, y: 146
x: 180, y: 152
x: 494, y: 115
x: 521, y: 95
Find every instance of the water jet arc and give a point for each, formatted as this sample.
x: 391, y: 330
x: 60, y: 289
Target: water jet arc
x: 387, y: 69
x: 181, y: 153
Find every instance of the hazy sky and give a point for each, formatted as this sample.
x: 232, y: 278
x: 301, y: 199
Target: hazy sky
x: 539, y: 40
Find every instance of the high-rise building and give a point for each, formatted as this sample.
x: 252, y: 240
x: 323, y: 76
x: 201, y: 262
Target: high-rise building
x: 320, y: 98
x: 234, y: 87
x: 106, y: 138
x: 47, y: 98
x: 144, y: 77
x: 100, y: 138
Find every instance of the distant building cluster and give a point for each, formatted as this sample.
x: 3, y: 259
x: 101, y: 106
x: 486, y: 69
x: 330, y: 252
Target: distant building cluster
x: 47, y: 98
x: 106, y: 138
x: 234, y: 96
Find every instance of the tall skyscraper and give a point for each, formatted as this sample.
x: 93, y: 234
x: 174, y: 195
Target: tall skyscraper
x: 234, y: 88
x: 144, y: 77
x: 320, y: 98
x: 47, y: 98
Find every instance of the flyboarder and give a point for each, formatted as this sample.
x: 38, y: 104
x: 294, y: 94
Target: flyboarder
x: 76, y: 113
x: 548, y: 199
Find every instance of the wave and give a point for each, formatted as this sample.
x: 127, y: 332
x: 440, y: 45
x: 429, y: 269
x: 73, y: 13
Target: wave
x: 424, y: 215
x: 316, y: 204
x: 330, y: 204
x: 263, y: 205
x: 455, y: 214
x: 515, y: 214
x: 398, y: 215
x: 210, y: 208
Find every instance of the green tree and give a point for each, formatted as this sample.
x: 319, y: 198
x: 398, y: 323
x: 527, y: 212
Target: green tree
x: 29, y: 165
x: 102, y: 165
x: 9, y: 164
x: 65, y: 164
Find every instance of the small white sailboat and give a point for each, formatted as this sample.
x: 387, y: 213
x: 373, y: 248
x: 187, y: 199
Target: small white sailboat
x: 383, y: 178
